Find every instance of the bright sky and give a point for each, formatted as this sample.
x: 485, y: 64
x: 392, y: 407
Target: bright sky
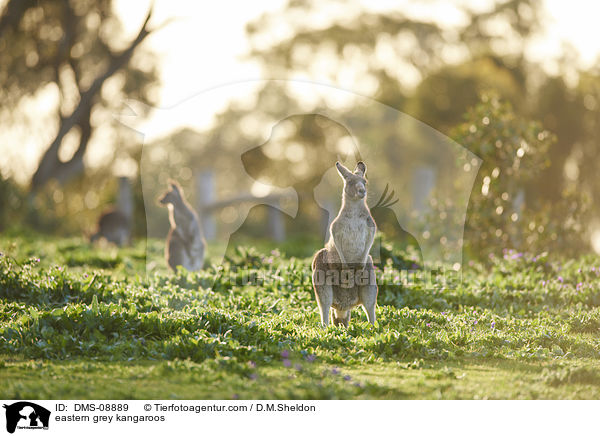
x: 202, y: 48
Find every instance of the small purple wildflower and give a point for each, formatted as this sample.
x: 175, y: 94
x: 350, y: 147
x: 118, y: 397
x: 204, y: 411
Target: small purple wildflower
x: 287, y: 363
x: 347, y: 378
x: 252, y: 364
x: 335, y: 371
x: 358, y: 385
x: 560, y: 279
x: 475, y: 322
x: 443, y: 313
x: 428, y: 324
x: 311, y: 357
x: 285, y: 354
x: 493, y: 324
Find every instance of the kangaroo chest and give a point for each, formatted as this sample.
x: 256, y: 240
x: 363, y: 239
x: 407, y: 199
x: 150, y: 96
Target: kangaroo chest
x: 353, y: 237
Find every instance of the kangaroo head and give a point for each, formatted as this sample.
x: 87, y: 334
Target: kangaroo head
x: 173, y: 196
x: 355, y: 183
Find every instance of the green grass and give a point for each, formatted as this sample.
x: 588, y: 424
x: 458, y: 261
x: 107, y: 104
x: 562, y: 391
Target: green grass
x: 86, y: 321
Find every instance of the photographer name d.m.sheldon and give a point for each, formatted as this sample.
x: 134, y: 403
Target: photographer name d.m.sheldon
x: 283, y: 407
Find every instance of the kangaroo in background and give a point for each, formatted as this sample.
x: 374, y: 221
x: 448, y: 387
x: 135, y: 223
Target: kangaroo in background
x: 114, y: 224
x: 185, y: 242
x: 343, y: 272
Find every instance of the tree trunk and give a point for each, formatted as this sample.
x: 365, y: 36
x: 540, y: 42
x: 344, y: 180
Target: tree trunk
x: 50, y: 166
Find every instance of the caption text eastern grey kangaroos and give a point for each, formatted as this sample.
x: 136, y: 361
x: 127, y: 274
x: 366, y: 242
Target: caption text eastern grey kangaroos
x: 343, y: 272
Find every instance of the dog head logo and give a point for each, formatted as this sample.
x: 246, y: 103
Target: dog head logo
x: 26, y: 415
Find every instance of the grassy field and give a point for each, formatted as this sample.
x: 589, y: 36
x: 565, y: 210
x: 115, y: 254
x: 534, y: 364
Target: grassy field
x: 78, y: 321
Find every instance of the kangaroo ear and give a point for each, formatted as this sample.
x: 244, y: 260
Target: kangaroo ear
x: 361, y: 168
x: 344, y: 172
x: 174, y: 186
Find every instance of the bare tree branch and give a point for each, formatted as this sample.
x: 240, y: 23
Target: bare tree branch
x: 50, y: 165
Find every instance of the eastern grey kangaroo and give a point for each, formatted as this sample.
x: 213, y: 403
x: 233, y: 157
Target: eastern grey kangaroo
x: 343, y: 273
x: 115, y: 224
x: 185, y: 242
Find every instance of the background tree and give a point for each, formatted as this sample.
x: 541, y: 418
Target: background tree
x: 507, y: 144
x: 436, y: 72
x: 75, y: 48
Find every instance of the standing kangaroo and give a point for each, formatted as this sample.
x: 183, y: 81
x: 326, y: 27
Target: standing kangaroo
x: 185, y: 241
x: 114, y: 224
x: 343, y: 273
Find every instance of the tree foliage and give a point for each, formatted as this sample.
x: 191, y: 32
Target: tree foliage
x: 74, y: 48
x: 451, y: 65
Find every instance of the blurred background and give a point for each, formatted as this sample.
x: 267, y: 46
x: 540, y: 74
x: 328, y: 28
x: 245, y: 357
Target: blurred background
x: 516, y: 83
